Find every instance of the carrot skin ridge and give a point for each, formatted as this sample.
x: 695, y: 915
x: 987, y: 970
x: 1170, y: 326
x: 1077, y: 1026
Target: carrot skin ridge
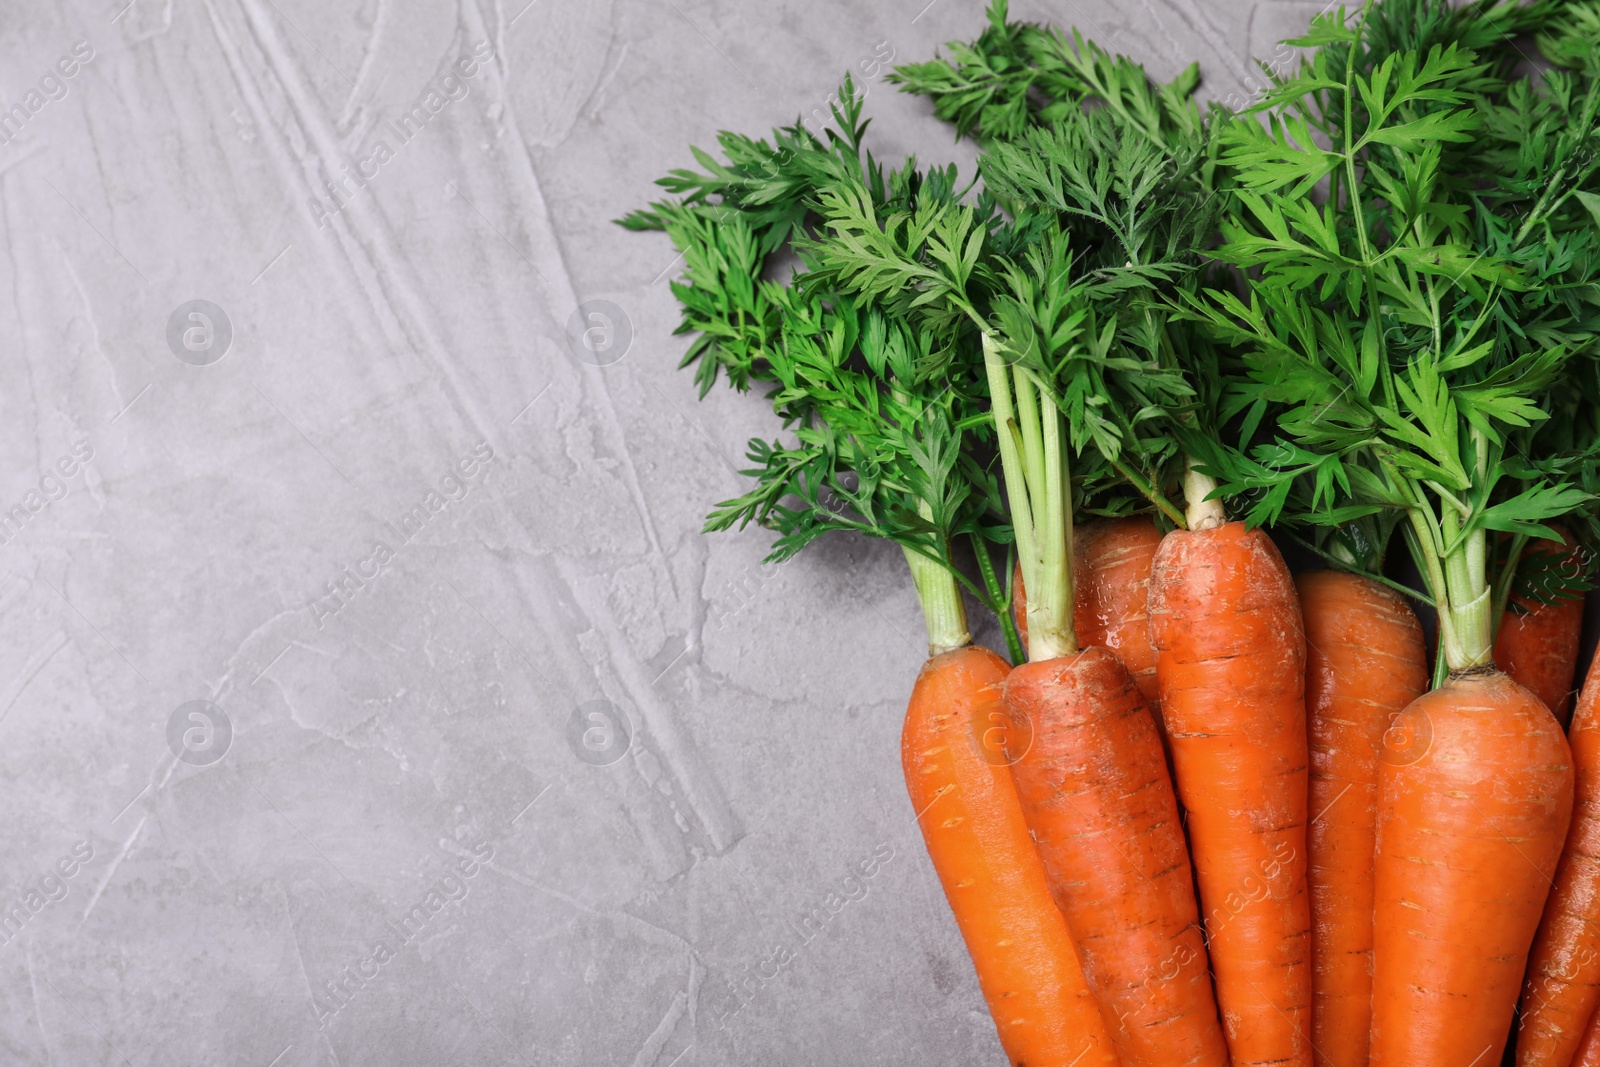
x: 1562, y: 990
x: 1474, y: 801
x: 1097, y: 797
x: 1225, y: 621
x: 966, y: 803
x: 1365, y: 661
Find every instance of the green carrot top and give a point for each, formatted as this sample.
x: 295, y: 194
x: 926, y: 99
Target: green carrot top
x: 885, y: 413
x: 1402, y: 321
x: 1018, y: 76
x: 1106, y: 212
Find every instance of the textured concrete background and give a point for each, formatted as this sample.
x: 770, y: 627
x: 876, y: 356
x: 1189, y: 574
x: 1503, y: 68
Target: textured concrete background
x: 368, y: 694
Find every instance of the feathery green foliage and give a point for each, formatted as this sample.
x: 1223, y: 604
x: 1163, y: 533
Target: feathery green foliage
x: 1371, y: 300
x: 1018, y: 75
x: 885, y: 424
x: 1401, y: 324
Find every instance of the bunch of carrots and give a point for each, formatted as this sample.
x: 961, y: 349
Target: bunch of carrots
x: 1209, y: 809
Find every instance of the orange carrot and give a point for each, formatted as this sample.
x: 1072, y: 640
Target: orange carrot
x: 1230, y: 661
x: 1365, y: 661
x: 1475, y: 794
x: 1563, y: 984
x: 1589, y: 1050
x: 1111, y: 576
x: 1538, y: 643
x: 1089, y: 769
x: 966, y: 804
x: 1111, y: 561
x: 1096, y: 794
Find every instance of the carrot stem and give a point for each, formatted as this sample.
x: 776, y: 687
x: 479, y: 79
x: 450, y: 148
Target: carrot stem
x: 1033, y: 459
x: 1508, y: 576
x: 1468, y: 598
x: 1341, y: 554
x: 1202, y: 513
x: 1150, y: 493
x: 1007, y: 439
x: 943, y: 610
x: 1455, y: 564
x: 999, y: 596
x: 1056, y: 541
x: 1345, y: 560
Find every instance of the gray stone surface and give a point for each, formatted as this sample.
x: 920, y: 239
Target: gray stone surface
x: 273, y: 718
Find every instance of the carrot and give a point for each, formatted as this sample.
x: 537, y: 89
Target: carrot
x: 1563, y: 984
x: 1365, y: 661
x: 1230, y: 661
x: 966, y: 804
x: 1111, y: 579
x: 1475, y: 783
x: 1476, y: 790
x: 1589, y: 1050
x: 1090, y: 772
x: 1098, y: 799
x: 1111, y: 575
x: 1538, y: 643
